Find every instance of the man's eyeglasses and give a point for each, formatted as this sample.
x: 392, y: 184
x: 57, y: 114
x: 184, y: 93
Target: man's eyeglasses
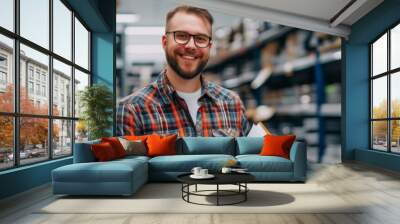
x: 182, y: 37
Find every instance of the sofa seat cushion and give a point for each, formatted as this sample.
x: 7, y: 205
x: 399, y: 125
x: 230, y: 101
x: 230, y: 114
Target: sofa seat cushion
x: 257, y: 163
x: 133, y: 158
x: 185, y: 163
x: 111, y: 171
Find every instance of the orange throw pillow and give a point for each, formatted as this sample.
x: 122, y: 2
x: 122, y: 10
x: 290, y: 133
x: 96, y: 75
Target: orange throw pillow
x: 136, y: 137
x: 116, y: 145
x: 275, y: 145
x: 103, y: 152
x: 161, y: 145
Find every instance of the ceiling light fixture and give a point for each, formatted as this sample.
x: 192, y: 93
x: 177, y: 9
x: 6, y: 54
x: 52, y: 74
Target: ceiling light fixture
x: 127, y: 18
x: 144, y: 49
x: 145, y: 30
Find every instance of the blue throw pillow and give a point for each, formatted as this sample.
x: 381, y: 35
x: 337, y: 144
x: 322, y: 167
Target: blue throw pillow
x: 249, y: 145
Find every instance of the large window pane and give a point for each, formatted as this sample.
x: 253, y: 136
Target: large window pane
x: 62, y: 29
x: 81, y: 81
x: 379, y: 135
x: 379, y: 55
x: 379, y: 98
x: 34, y: 72
x: 35, y: 21
x: 6, y: 142
x: 395, y: 47
x: 62, y: 89
x: 7, y: 14
x: 33, y: 139
x: 62, y: 138
x: 395, y: 135
x: 6, y: 74
x: 395, y: 95
x: 81, y: 45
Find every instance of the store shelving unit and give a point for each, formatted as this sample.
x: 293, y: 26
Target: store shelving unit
x: 317, y: 122
x: 247, y: 51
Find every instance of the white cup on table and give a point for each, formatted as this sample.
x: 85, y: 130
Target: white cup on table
x: 203, y: 172
x: 196, y: 170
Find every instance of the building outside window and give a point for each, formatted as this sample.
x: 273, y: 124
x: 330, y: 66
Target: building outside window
x: 3, y: 61
x: 43, y: 90
x: 3, y: 81
x: 30, y: 72
x: 34, y: 76
x: 37, y: 74
x: 55, y: 98
x: 3, y: 72
x: 385, y: 94
x: 3, y: 78
x: 37, y: 89
x: 43, y: 78
x: 30, y: 87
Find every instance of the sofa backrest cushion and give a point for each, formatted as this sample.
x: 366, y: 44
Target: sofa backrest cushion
x: 249, y: 145
x: 83, y: 153
x: 206, y: 145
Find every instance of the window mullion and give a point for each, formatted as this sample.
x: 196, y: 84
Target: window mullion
x: 389, y: 94
x: 371, y: 98
x: 50, y: 81
x: 73, y: 82
x: 16, y: 84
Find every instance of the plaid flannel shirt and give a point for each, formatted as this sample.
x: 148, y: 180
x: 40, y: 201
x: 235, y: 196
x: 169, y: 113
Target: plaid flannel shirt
x: 157, y: 108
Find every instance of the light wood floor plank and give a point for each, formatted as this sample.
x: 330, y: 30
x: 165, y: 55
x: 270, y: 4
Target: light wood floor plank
x: 377, y: 191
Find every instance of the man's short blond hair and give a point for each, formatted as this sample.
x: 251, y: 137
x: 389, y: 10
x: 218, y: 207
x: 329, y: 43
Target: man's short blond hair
x: 202, y: 13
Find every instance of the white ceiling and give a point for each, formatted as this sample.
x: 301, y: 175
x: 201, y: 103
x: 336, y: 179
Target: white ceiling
x: 153, y: 12
x: 319, y: 9
x: 314, y: 15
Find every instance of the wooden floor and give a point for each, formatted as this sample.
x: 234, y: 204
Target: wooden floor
x: 378, y: 189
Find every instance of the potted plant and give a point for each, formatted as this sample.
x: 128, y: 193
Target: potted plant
x: 96, y: 102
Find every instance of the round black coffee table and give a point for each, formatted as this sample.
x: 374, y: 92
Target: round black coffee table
x: 238, y: 179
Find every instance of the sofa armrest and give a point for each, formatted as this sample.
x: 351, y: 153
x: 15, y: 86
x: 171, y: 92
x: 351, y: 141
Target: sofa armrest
x: 83, y: 152
x: 298, y: 155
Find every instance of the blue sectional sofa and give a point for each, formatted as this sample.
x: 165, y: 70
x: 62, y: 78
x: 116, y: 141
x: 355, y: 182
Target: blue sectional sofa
x: 125, y: 176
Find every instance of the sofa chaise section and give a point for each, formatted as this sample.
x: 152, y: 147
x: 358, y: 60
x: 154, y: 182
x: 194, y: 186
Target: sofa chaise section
x: 87, y: 177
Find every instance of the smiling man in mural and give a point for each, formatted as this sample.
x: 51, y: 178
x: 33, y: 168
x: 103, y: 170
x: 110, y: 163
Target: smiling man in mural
x: 180, y: 101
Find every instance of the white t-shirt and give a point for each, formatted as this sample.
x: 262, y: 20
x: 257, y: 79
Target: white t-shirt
x: 191, y: 101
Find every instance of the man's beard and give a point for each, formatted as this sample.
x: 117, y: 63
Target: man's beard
x: 172, y: 62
